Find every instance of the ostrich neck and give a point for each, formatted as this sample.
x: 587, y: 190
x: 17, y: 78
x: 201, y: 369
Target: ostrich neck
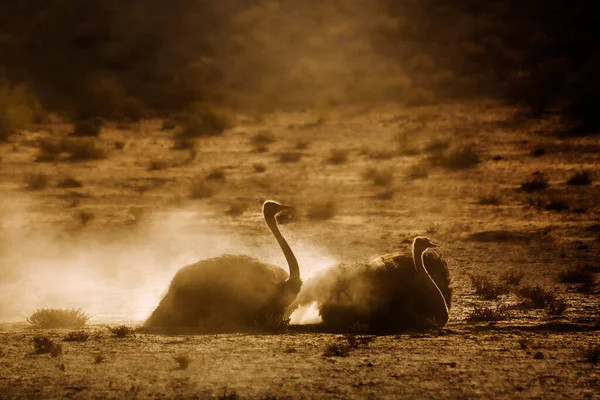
x: 285, y: 247
x: 441, y: 308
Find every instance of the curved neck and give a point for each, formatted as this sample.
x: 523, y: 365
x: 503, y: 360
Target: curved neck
x: 285, y: 247
x: 440, y: 306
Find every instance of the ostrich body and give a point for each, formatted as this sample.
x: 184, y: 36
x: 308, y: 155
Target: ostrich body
x: 392, y: 293
x: 231, y: 292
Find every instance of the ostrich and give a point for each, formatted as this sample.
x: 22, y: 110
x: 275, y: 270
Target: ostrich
x: 231, y: 292
x: 392, y: 293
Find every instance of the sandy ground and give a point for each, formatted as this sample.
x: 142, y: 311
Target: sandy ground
x: 145, y: 226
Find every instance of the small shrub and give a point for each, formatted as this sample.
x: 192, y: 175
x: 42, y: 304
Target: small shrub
x: 512, y: 277
x: 379, y: 177
x: 259, y: 168
x: 120, y: 145
x: 385, y: 195
x: 121, y: 331
x: 236, y: 209
x: 158, y: 164
x: 69, y: 183
x: 488, y: 314
x: 37, y: 181
x: 337, y: 157
x: 98, y: 358
x: 18, y: 108
x: 556, y: 306
x: 263, y: 137
x: 580, y: 178
x: 336, y: 350
x: 202, y: 121
x: 261, y: 148
x: 537, y: 296
x: 487, y: 289
x: 182, y: 360
x: 380, y: 154
x: 88, y: 127
x: 168, y: 125
x: 322, y: 210
x: 538, y: 152
x: 432, y: 228
x: 43, y: 344
x: 537, y: 183
x: 417, y: 172
x: 85, y: 217
x: 76, y: 336
x: 227, y: 395
x: 577, y: 274
x: 58, y: 318
x: 290, y: 157
x: 490, y: 199
x: 50, y: 149
x: 84, y: 150
x: 407, y: 144
x: 199, y: 189
x: 302, y: 145
x: 216, y: 174
x: 592, y: 354
x: 457, y: 158
x: 290, y: 350
x: 525, y: 343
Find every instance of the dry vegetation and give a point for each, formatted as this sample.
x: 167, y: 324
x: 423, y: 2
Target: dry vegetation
x: 58, y: 318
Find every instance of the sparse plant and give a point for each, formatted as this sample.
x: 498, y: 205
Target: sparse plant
x: 200, y: 189
x: 487, y: 289
x: 168, y: 125
x: 385, y: 195
x: 488, y: 314
x: 216, y: 174
x: 417, y: 171
x: 202, y: 121
x: 88, y: 127
x: 85, y: 217
x: 525, y: 343
x: 556, y: 306
x: 43, y: 344
x: 227, y: 395
x: 290, y: 157
x: 537, y: 183
x: 322, y: 210
x: 512, y: 277
x: 539, y: 297
x: 489, y: 199
x: 337, y: 156
x: 290, y: 350
x: 84, y: 150
x: 379, y: 177
x: 120, y: 144
x: 302, y: 145
x: 236, y: 209
x: 69, y: 183
x: 456, y: 158
x: 407, y: 144
x: 18, y: 108
x: 37, y: 181
x: 50, y: 149
x: 380, y: 154
x: 76, y: 336
x: 260, y: 148
x: 591, y: 354
x: 577, y: 274
x: 259, y: 168
x: 58, y: 318
x: 158, y: 164
x: 98, y: 358
x: 580, y: 178
x: 182, y: 360
x: 432, y: 228
x: 263, y: 137
x: 121, y: 331
x: 336, y: 350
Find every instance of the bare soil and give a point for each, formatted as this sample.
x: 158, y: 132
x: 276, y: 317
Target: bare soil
x: 105, y: 247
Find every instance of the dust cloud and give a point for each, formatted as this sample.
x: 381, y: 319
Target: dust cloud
x: 119, y: 278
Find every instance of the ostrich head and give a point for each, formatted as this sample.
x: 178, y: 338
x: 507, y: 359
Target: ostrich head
x: 272, y: 208
x: 422, y: 243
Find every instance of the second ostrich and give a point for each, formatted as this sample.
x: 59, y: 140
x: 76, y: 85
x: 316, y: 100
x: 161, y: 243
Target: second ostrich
x: 231, y: 292
x: 392, y: 293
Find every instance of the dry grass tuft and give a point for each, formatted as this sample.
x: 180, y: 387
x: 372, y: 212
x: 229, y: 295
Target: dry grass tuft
x: 337, y: 157
x: 385, y: 195
x: 320, y: 211
x: 539, y: 297
x: 302, y: 145
x: 417, y: 172
x: 69, y: 183
x: 168, y: 125
x: 456, y: 158
x: 290, y: 157
x: 203, y: 121
x: 488, y: 314
x: 379, y: 177
x: 487, y: 289
x: 158, y: 164
x: 407, y: 144
x: 121, y: 331
x: 259, y: 168
x: 336, y: 350
x: 580, y: 178
x: 84, y: 150
x: 76, y: 336
x: 591, y: 354
x: 43, y: 344
x: 99, y: 358
x: 37, y: 181
x: 489, y: 199
x: 58, y: 318
x: 88, y: 127
x: 200, y: 189
x: 577, y: 274
x: 236, y: 209
x: 512, y: 277
x: 537, y: 183
x: 227, y: 395
x: 216, y: 174
x: 182, y: 360
x: 263, y: 137
x: 85, y: 217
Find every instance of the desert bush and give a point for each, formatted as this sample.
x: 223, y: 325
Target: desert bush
x: 227, y: 395
x: 84, y: 150
x: 337, y: 156
x: 76, y: 336
x: 577, y: 274
x: 158, y: 164
x: 417, y: 171
x: 456, y: 158
x: 85, y: 217
x: 537, y: 183
x: 512, y: 277
x: 203, y: 121
x: 488, y: 314
x: 487, y: 289
x: 58, y: 318
x: 580, y: 178
x: 407, y: 143
x: 556, y: 306
x: 539, y: 297
x: 43, y: 344
x: 383, y: 177
x: 591, y: 354
x: 99, y: 358
x: 290, y: 157
x: 263, y: 137
x: 200, y: 189
x: 69, y: 183
x: 322, y: 210
x: 259, y: 168
x: 19, y: 109
x: 216, y: 174
x: 88, y: 127
x: 302, y: 145
x: 260, y: 148
x: 37, y: 180
x: 385, y: 194
x: 168, y: 125
x: 121, y: 331
x: 182, y: 360
x: 489, y: 199
x: 336, y: 350
x: 236, y: 209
